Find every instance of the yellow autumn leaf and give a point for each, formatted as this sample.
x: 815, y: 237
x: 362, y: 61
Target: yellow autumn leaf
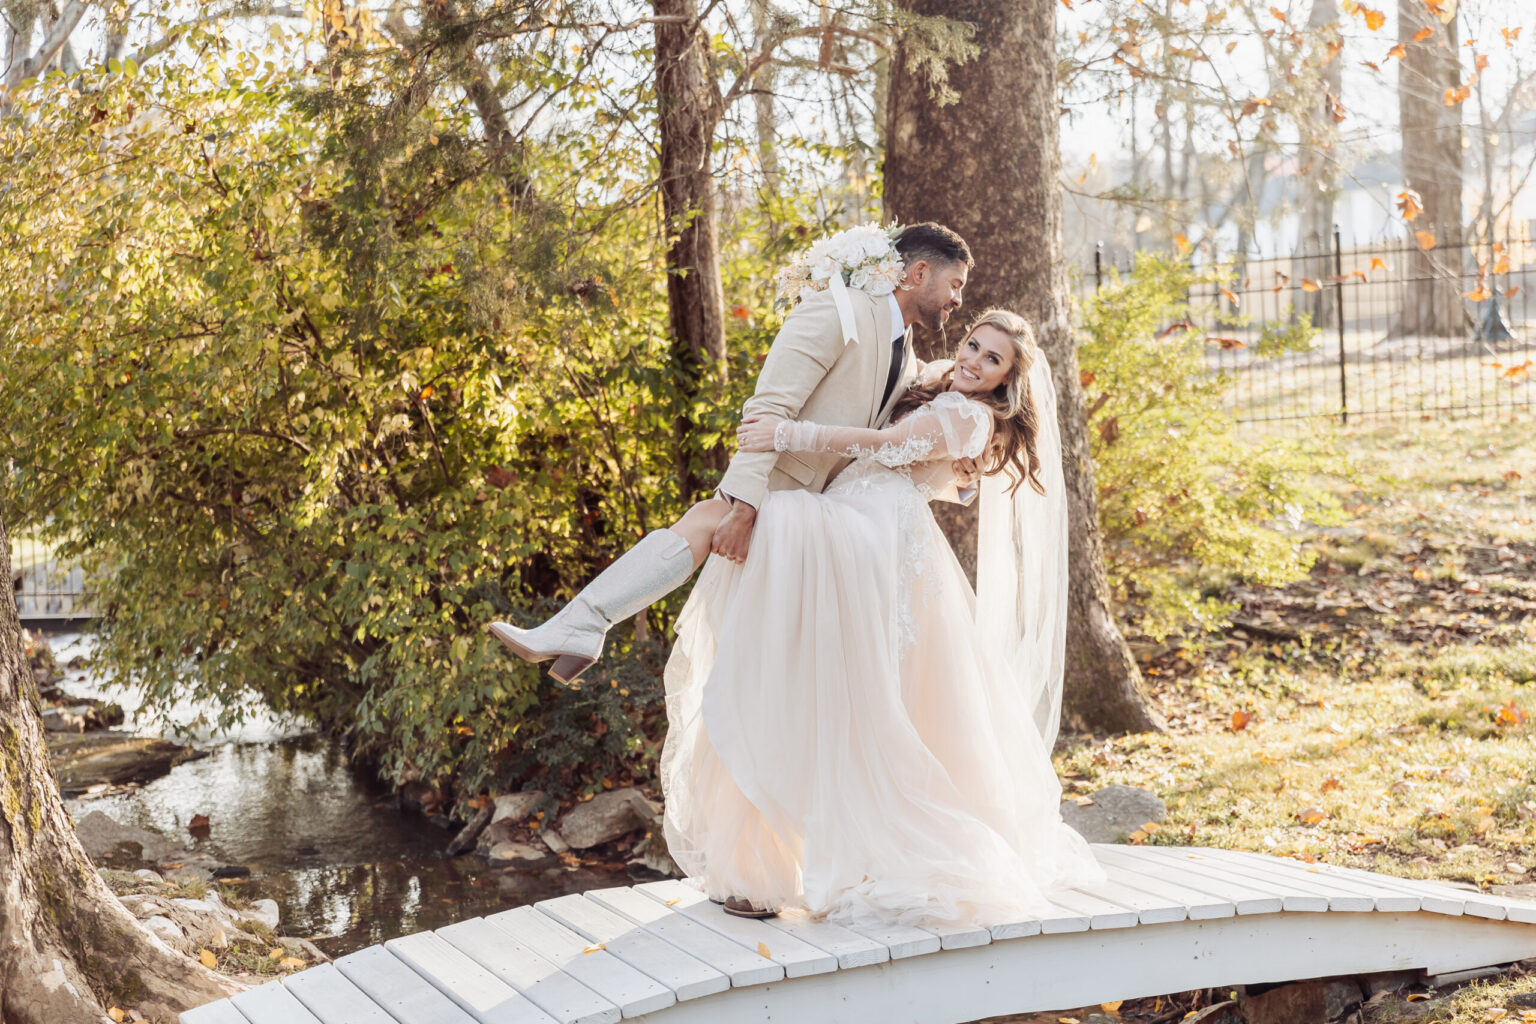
x: 597, y: 948
x: 1113, y: 1009
x: 674, y: 901
x: 1426, y: 239
x: 276, y: 953
x: 116, y: 1014
x: 762, y: 951
x: 290, y: 963
x: 209, y: 960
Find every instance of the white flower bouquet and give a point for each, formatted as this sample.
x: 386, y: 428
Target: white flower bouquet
x: 865, y: 257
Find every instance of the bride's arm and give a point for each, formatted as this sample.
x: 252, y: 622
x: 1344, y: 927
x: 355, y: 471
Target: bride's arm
x: 952, y: 430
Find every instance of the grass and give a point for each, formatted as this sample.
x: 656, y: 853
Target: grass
x: 1397, y: 731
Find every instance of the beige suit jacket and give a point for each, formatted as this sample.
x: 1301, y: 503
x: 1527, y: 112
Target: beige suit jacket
x: 810, y: 374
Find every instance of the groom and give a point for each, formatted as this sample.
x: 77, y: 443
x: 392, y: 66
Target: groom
x: 815, y: 371
x: 841, y: 370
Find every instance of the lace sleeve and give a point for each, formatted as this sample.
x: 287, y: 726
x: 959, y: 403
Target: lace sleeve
x: 951, y: 426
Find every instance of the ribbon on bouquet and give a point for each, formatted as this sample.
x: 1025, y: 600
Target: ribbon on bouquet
x: 844, y: 308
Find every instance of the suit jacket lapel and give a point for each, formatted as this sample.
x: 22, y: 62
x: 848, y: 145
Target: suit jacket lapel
x: 880, y: 347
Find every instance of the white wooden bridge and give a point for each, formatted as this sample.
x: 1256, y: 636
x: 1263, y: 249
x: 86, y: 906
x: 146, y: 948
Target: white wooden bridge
x: 1167, y: 920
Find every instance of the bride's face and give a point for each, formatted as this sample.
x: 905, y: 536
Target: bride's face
x: 984, y: 361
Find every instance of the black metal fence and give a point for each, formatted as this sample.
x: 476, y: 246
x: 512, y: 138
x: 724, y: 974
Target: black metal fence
x: 1394, y: 330
x: 45, y: 590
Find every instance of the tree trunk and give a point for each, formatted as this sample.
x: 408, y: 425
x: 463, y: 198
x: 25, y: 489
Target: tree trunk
x: 68, y: 949
x: 688, y: 102
x: 990, y: 168
x: 765, y: 120
x: 1319, y: 167
x: 1431, y: 133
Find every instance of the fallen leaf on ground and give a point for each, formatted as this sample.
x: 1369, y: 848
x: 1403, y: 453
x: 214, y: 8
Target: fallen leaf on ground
x: 116, y: 1014
x: 209, y: 960
x: 762, y: 951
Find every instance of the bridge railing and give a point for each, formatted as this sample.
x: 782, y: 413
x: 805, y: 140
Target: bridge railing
x: 47, y: 590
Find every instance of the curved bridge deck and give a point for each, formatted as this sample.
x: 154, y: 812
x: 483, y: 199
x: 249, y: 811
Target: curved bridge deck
x: 1168, y: 919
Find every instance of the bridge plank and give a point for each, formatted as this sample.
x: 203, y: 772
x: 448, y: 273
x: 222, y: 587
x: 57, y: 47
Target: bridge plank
x: 1198, y: 906
x: 742, y: 965
x: 1101, y: 914
x: 850, y: 948
x: 1291, y: 900
x: 404, y: 994
x: 327, y: 994
x: 1295, y: 872
x: 1150, y: 909
x: 1244, y: 899
x: 798, y: 957
x: 476, y: 990
x: 955, y: 937
x: 520, y: 965
x: 221, y: 1012
x: 658, y: 961
x: 1335, y: 898
x: 272, y: 1004
x: 902, y: 940
x: 1437, y: 895
x: 604, y: 971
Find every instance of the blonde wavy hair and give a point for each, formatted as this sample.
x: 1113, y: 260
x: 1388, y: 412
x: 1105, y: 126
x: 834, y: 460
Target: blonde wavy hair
x: 1016, y: 424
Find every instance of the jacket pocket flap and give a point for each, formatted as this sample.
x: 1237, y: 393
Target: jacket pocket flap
x: 792, y: 466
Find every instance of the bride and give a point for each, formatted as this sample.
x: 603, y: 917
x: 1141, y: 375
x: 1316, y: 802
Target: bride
x: 851, y: 728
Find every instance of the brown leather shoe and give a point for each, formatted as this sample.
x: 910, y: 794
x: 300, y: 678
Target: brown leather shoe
x: 738, y: 907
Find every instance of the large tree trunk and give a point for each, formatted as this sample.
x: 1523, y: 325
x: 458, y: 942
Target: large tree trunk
x: 989, y: 167
x: 68, y: 949
x: 688, y: 102
x: 1319, y: 166
x: 1431, y: 133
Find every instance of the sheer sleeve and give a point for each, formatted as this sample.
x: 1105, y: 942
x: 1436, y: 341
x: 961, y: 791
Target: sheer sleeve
x: 950, y: 427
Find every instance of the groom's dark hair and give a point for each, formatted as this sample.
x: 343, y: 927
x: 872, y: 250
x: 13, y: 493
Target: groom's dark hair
x: 933, y: 243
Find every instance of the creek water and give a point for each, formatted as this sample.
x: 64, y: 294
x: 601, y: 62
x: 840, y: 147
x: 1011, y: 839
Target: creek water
x: 346, y: 866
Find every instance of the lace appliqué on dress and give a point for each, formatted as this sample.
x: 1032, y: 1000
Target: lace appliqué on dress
x: 894, y: 456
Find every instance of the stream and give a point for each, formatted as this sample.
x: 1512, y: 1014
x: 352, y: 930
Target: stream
x: 346, y: 866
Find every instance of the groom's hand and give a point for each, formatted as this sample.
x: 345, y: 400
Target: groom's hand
x: 734, y: 534
x: 966, y: 474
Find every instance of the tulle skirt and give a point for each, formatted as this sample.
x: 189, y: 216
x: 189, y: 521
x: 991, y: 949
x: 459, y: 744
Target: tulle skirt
x: 841, y: 738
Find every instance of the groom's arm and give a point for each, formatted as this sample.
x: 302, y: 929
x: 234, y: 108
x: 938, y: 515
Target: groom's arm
x: 806, y: 347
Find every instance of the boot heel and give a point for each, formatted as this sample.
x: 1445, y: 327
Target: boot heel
x: 569, y: 667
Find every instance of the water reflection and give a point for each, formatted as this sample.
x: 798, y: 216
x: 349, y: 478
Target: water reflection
x: 346, y: 867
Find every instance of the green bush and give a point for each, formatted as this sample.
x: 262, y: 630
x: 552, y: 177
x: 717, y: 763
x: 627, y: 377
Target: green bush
x: 1188, y: 497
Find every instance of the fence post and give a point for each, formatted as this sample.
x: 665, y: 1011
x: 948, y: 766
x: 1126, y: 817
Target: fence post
x: 1338, y: 305
x: 1098, y: 265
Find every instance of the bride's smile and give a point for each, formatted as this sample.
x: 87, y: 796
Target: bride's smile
x: 984, y: 361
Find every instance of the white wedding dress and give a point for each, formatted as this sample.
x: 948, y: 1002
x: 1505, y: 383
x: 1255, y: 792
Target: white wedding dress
x: 843, y: 735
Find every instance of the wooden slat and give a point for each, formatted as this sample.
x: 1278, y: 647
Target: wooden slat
x: 1295, y: 872
x: 1150, y: 909
x: 1245, y: 899
x: 1062, y: 919
x: 220, y: 1012
x: 850, y: 948
x: 272, y: 1004
x: 404, y: 994
x: 798, y: 957
x: 1336, y: 899
x: 1101, y: 914
x: 476, y: 990
x: 602, y: 971
x: 1198, y: 906
x: 1291, y: 900
x: 1439, y: 897
x: 957, y: 937
x: 1021, y: 929
x: 327, y: 994
x: 902, y: 940
x: 517, y: 964
x: 742, y: 965
x: 683, y: 976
